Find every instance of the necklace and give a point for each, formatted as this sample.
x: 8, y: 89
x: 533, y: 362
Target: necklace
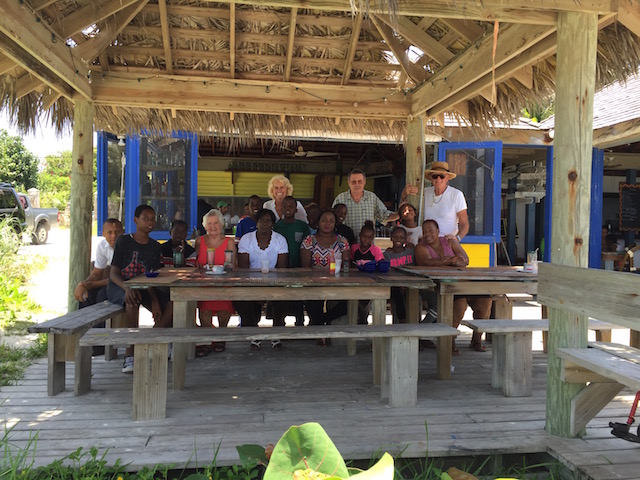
x: 436, y: 199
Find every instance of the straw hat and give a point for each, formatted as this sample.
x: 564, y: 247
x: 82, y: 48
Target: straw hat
x: 439, y: 167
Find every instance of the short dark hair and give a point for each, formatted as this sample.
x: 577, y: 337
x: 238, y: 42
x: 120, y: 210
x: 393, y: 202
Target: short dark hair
x: 331, y: 212
x: 431, y: 220
x: 398, y: 228
x: 406, y: 204
x: 142, y: 208
x: 340, y: 205
x: 290, y: 198
x: 265, y: 211
x: 113, y: 221
x: 175, y: 223
x: 356, y: 171
x: 368, y: 225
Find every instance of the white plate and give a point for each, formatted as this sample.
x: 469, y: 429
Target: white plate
x: 211, y: 272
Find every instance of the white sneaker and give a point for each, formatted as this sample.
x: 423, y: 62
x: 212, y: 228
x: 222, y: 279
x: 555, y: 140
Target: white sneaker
x: 127, y: 366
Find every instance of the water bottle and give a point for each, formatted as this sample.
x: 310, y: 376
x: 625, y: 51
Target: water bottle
x: 332, y: 263
x: 338, y: 262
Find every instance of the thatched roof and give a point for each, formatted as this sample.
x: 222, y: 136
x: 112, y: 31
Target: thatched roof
x: 241, y: 69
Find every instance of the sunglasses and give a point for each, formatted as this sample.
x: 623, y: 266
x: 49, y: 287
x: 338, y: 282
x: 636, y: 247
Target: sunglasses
x: 437, y: 175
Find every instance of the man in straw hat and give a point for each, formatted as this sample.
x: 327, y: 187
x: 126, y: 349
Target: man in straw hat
x: 443, y: 203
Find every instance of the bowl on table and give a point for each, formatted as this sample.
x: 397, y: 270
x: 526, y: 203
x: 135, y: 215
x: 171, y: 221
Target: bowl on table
x: 384, y: 266
x: 152, y: 274
x: 368, y: 267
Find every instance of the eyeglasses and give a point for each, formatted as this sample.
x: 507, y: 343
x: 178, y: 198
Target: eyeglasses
x: 437, y: 175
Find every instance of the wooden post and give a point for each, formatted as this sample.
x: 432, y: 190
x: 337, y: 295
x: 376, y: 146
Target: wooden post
x: 575, y: 83
x: 415, y: 161
x: 81, y: 197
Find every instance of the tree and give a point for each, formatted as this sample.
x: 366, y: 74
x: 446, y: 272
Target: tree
x: 55, y: 180
x: 18, y: 166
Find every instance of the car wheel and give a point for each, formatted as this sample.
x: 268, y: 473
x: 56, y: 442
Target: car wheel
x: 41, y: 235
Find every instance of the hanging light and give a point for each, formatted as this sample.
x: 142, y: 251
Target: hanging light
x: 121, y: 139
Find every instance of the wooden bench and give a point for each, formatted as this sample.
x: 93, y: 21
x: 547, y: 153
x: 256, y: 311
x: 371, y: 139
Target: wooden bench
x: 398, y: 355
x: 63, y: 334
x: 511, y: 351
x: 608, y: 368
x: 572, y: 295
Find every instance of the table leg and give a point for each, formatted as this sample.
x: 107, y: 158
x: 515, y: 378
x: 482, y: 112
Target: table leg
x: 445, y: 316
x: 379, y: 362
x: 183, y: 317
x: 412, y: 305
x: 352, y: 315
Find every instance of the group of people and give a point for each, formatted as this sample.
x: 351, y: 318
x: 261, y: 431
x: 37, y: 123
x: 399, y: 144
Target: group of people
x: 281, y: 233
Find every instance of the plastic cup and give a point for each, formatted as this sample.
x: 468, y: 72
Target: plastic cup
x: 211, y: 254
x: 338, y: 266
x: 264, y: 265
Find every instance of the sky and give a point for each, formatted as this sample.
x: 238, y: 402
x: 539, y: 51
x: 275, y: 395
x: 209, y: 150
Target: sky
x: 44, y: 142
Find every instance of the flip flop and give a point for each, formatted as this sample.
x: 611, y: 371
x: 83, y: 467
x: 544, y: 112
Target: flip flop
x: 478, y: 347
x: 276, y: 344
x: 219, y: 346
x: 255, y: 345
x: 202, y: 350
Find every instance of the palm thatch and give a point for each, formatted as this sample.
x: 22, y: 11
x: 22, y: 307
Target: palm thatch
x: 201, y: 41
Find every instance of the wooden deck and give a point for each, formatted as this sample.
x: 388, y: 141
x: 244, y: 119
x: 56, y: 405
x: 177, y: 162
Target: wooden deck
x: 241, y: 396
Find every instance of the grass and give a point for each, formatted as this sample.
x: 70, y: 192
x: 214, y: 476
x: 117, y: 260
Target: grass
x: 15, y: 360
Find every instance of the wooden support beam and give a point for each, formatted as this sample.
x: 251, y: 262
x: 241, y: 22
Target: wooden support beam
x: 166, y: 38
x: 575, y: 85
x: 473, y: 64
x: 174, y: 113
x: 30, y: 44
x: 232, y: 116
x: 418, y: 37
x: 232, y: 40
x: 415, y: 160
x: 514, y: 11
x: 49, y: 97
x: 525, y: 76
x: 283, y: 119
x: 462, y: 108
x: 414, y: 72
x: 336, y: 121
x: 81, y: 196
x: 468, y: 30
x: 26, y: 84
x: 290, y: 42
x: 242, y: 96
x: 6, y: 64
x: 629, y: 15
x: 89, y: 14
x: 353, y: 43
x: 94, y: 46
x: 38, y: 5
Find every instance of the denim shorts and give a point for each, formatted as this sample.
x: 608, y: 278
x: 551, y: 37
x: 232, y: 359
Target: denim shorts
x: 116, y: 295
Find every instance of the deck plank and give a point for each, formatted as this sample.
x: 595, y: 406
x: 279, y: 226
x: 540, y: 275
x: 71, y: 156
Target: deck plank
x: 241, y: 396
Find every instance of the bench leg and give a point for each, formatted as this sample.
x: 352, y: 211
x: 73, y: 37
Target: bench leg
x: 352, y: 316
x: 56, y: 346
x: 413, y: 305
x: 117, y: 321
x: 634, y: 338
x: 403, y: 371
x: 603, y: 336
x: 517, y: 365
x: 385, y: 352
x: 379, y: 317
x: 150, y: 371
x: 498, y: 361
x: 82, y: 383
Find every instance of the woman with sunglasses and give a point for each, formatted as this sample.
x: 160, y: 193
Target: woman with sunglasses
x: 442, y: 202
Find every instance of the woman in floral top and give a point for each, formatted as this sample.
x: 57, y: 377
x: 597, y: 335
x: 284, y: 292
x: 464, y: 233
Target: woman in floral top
x: 316, y: 252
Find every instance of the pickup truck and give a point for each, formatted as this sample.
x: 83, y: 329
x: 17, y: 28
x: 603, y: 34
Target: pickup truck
x: 39, y: 220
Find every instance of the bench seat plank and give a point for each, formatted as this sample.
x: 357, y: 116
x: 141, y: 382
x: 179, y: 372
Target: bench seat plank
x: 498, y: 326
x: 398, y: 354
x: 133, y: 336
x: 603, y: 363
x: 78, y: 320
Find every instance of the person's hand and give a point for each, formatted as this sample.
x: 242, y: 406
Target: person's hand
x: 410, y: 189
x: 81, y: 293
x: 131, y: 297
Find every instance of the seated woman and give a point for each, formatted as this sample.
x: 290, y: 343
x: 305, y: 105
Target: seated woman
x: 253, y: 247
x: 214, y: 239
x: 315, y: 252
x: 436, y: 251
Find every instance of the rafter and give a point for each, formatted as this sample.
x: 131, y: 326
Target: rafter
x: 92, y: 48
x: 50, y: 97
x: 91, y: 13
x: 241, y: 96
x: 525, y: 76
x: 418, y: 37
x: 353, y: 44
x: 475, y: 63
x: 540, y: 12
x: 413, y: 71
x: 166, y: 38
x: 629, y: 15
x: 26, y: 84
x: 232, y: 40
x: 30, y: 44
x: 466, y: 29
x: 292, y: 37
x: 38, y: 5
x: 6, y: 64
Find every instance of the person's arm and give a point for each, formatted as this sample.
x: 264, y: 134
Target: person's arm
x: 283, y: 260
x: 131, y: 296
x: 305, y: 257
x: 463, y: 223
x: 96, y: 279
x: 232, y: 246
x: 377, y: 253
x: 243, y: 260
x: 408, y: 189
x: 301, y: 213
x: 460, y: 259
x: 424, y: 259
x: 382, y: 213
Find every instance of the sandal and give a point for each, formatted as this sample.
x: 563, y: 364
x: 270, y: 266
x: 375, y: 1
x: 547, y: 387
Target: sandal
x: 255, y: 345
x: 202, y: 350
x: 219, y: 346
x: 276, y: 344
x: 478, y: 347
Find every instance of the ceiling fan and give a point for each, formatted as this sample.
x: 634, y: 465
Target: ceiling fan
x: 301, y: 152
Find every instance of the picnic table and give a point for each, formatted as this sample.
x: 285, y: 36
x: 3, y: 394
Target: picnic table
x: 188, y: 286
x: 451, y: 281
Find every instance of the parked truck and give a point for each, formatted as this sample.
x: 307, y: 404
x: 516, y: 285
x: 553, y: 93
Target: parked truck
x: 39, y: 220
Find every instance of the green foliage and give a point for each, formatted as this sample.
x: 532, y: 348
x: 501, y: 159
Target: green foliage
x: 539, y: 111
x: 18, y: 166
x: 54, y: 181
